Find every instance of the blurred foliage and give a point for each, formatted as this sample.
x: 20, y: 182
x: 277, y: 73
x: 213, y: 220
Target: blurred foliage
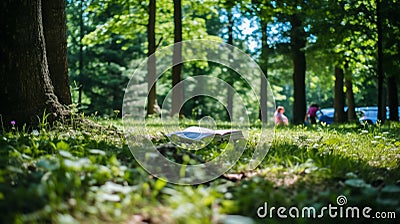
x: 338, y: 32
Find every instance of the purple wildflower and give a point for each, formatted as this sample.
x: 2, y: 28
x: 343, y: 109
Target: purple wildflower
x: 12, y: 123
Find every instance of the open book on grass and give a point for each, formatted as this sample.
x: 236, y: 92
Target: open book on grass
x: 198, y: 134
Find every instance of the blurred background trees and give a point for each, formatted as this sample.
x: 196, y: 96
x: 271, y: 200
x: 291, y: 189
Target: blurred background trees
x: 323, y: 52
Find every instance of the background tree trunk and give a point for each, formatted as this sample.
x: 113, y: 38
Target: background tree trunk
x: 393, y: 99
x: 229, y: 79
x: 25, y: 86
x: 55, y: 35
x: 151, y: 63
x: 177, y: 91
x: 351, y: 113
x: 381, y: 101
x: 339, y: 116
x: 264, y: 67
x: 298, y: 42
x: 81, y: 35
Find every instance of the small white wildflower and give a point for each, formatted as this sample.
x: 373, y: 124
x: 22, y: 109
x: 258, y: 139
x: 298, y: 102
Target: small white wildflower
x: 364, y: 131
x: 35, y: 132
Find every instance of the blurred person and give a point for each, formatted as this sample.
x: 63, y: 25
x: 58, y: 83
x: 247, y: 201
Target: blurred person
x: 280, y: 118
x: 312, y: 114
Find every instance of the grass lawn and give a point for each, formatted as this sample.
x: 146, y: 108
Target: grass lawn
x: 86, y: 173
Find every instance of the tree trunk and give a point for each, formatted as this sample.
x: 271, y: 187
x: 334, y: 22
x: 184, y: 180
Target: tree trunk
x: 151, y: 63
x: 381, y: 101
x: 55, y: 34
x: 393, y: 99
x: 25, y: 87
x: 230, y: 80
x: 298, y: 42
x: 81, y: 35
x: 229, y: 106
x: 351, y: 113
x: 177, y: 90
x: 264, y: 67
x: 339, y: 116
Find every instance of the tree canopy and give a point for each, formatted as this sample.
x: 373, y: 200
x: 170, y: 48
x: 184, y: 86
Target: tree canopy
x: 341, y: 34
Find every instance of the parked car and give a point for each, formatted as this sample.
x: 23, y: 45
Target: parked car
x: 370, y: 114
x: 366, y: 114
x: 326, y: 115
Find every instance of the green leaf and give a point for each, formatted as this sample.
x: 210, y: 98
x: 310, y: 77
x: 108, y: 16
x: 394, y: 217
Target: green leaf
x: 358, y: 183
x: 97, y: 152
x: 391, y: 189
x: 48, y: 164
x: 65, y: 154
x: 62, y: 145
x: 160, y: 184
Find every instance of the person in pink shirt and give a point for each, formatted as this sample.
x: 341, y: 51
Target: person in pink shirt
x: 312, y: 113
x: 280, y: 118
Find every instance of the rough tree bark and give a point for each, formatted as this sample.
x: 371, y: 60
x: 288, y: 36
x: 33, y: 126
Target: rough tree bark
x: 177, y: 90
x: 55, y: 35
x: 151, y: 63
x: 298, y: 42
x: 339, y: 116
x: 25, y: 86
